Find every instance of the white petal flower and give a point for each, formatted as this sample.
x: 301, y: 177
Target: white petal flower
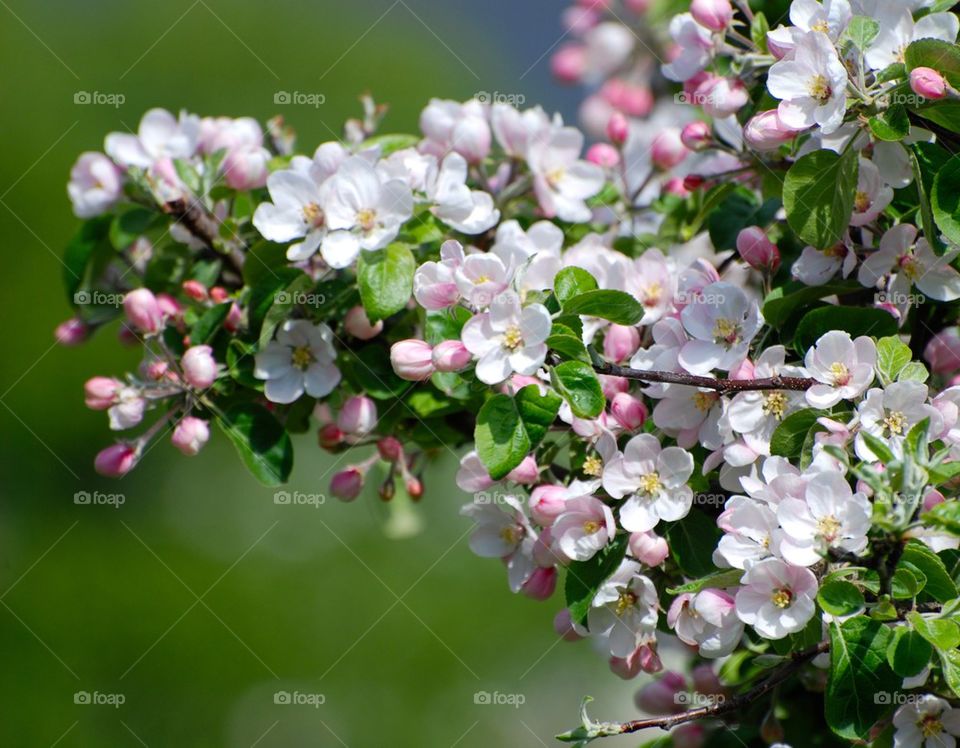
x: 300, y: 360
x: 843, y: 367
x: 508, y: 338
x: 722, y: 322
x: 811, y: 85
x: 625, y: 609
x: 776, y: 599
x: 561, y: 181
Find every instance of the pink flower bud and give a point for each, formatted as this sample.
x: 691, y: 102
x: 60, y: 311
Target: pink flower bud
x: 199, y: 366
x: 931, y: 498
x: 564, y: 626
x: 169, y: 306
x: 705, y: 681
x: 628, y: 411
x: 157, y: 370
x: 743, y: 370
x: 116, y: 460
x: 712, y: 14
x: 219, y: 294
x: 757, y: 250
x: 617, y: 129
x: 648, y: 548
x: 195, y: 290
x: 357, y: 323
x: 568, y: 63
x: 347, y: 484
x: 722, y: 97
x: 412, y: 360
x: 190, y: 435
x: 101, y: 392
x: 246, y: 168
x: 546, y: 503
x: 390, y: 449
x: 526, y: 472
x: 696, y: 135
x: 667, y: 150
x: 765, y: 131
x: 693, y: 182
x: 659, y: 698
x: 451, y: 355
x: 329, y: 436
x: 234, y: 318
x: 636, y: 101
x: 638, y: 6
x: 642, y: 658
x: 943, y: 352
x: 612, y: 385
x: 414, y: 487
x: 71, y: 332
x: 358, y: 416
x: 674, y: 186
x: 928, y: 83
x: 541, y: 584
x: 143, y: 311
x: 604, y: 155
x: 620, y: 342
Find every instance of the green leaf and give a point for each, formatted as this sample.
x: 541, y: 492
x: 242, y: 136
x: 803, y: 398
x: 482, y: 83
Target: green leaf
x: 283, y: 301
x: 940, y: 584
x: 945, y: 199
x: 209, y: 323
x: 950, y: 665
x: 615, y: 306
x: 818, y: 196
x: 790, y: 434
x: 909, y: 653
x: 370, y: 371
x: 892, y: 355
x: 779, y: 306
x: 385, y: 279
x: 858, y: 674
x: 585, y: 577
x: 840, y: 598
x: 878, y: 447
x: 263, y: 444
x: 692, y: 540
x: 445, y: 324
x: 758, y: 31
x: 940, y: 632
x: 944, y: 57
x: 856, y: 321
x: 501, y: 438
x: 892, y: 124
x: 129, y: 225
x: 905, y: 585
x: 861, y: 31
x: 571, y: 282
x: 719, y: 580
x: 577, y: 383
x: 390, y: 142
x: 538, y: 412
x: 82, y: 252
x: 569, y: 347
x: 945, y: 516
x: 262, y: 260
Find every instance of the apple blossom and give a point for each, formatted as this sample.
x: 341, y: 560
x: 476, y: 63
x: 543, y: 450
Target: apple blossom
x: 300, y: 360
x: 775, y: 598
x: 706, y: 620
x: 811, y: 84
x: 190, y: 435
x: 584, y: 527
x: 199, y: 367
x: 626, y: 609
x: 842, y: 366
x: 96, y: 185
x: 412, y: 360
x: 508, y: 338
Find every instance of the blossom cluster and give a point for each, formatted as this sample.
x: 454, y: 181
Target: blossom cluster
x: 703, y: 370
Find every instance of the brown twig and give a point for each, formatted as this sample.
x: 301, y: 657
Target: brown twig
x: 723, y: 386
x: 204, y: 226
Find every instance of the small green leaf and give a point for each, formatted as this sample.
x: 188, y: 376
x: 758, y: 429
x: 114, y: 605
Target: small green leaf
x: 209, y: 323
x: 892, y: 355
x: 501, y: 438
x: 940, y: 632
x: 945, y: 199
x: 263, y: 444
x: 904, y: 585
x: 577, y: 383
x: 758, y: 31
x: 892, y: 124
x: 789, y: 436
x: 818, y: 196
x: 862, y: 30
x: 129, y: 225
x: 571, y: 282
x: 538, y: 412
x: 719, y: 580
x: 945, y: 516
x: 385, y: 279
x: 909, y: 653
x: 840, y: 598
x: 615, y: 306
x: 692, y: 540
x: 940, y: 584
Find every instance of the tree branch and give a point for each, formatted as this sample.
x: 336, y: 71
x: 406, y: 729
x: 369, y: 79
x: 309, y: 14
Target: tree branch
x: 204, y: 226
x: 734, y: 703
x: 723, y: 386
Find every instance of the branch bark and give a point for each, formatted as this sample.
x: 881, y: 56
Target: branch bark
x: 198, y: 221
x: 723, y: 386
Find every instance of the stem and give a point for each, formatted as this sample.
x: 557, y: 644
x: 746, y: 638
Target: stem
x: 198, y: 221
x: 723, y: 386
x: 733, y: 704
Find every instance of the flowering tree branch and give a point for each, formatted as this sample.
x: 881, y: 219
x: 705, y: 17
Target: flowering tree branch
x: 723, y: 386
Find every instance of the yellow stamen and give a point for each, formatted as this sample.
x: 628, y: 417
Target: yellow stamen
x: 861, y: 202
x: 828, y: 527
x: 366, y: 219
x: 930, y: 726
x: 313, y: 214
x: 782, y: 598
x: 705, y: 400
x: 593, y: 465
x: 840, y: 373
x: 650, y: 484
x: 626, y: 601
x: 591, y: 526
x: 727, y: 331
x: 512, y: 338
x: 775, y: 404
x: 302, y: 357
x: 895, y: 422
x: 820, y: 89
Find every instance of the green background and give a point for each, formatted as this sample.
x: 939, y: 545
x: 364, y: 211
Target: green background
x: 199, y: 598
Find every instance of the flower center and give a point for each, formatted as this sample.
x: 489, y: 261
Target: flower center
x: 840, y: 373
x: 828, y: 527
x: 726, y: 331
x: 366, y: 219
x: 512, y: 338
x: 591, y: 526
x: 862, y: 202
x: 930, y: 726
x: 652, y: 294
x: 704, y: 400
x: 555, y: 176
x: 481, y: 279
x: 313, y: 214
x: 626, y: 601
x: 909, y: 266
x: 511, y: 534
x: 838, y: 251
x: 775, y: 404
x: 820, y: 89
x: 593, y: 465
x: 302, y: 357
x: 895, y: 422
x: 782, y: 597
x: 650, y: 484
x: 821, y: 26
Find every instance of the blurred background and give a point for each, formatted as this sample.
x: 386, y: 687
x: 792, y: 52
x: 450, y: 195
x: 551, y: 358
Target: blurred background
x: 197, y: 598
